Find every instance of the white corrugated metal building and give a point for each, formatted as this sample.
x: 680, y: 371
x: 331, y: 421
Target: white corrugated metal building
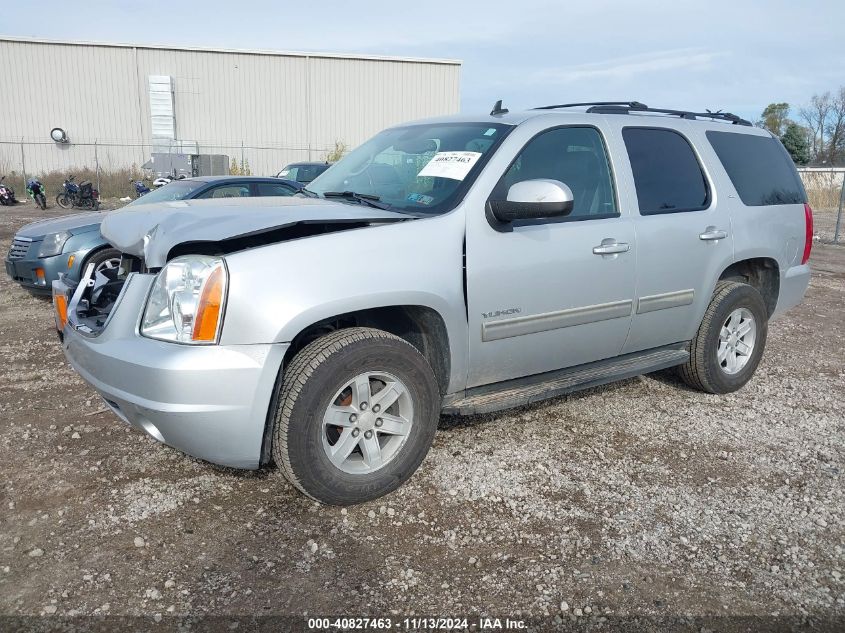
x: 279, y: 107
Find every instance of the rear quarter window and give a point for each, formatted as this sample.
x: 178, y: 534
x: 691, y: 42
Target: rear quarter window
x: 759, y: 167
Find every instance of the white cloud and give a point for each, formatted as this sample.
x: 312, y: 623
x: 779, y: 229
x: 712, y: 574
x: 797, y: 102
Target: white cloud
x: 631, y: 66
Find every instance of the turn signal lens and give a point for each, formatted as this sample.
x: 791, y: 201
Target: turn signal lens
x: 209, y: 307
x: 70, y: 261
x: 60, y: 302
x: 39, y: 272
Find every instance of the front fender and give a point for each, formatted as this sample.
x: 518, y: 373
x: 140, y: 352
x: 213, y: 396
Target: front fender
x: 81, y: 245
x: 277, y: 291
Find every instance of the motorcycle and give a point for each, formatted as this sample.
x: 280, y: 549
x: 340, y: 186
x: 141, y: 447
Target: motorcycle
x: 166, y: 180
x: 82, y: 195
x: 36, y: 191
x: 140, y: 188
x: 7, y: 194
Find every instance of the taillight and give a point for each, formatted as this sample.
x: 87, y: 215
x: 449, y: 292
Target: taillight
x: 808, y: 238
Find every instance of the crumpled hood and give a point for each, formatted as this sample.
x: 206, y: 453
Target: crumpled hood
x: 71, y: 223
x: 152, y: 230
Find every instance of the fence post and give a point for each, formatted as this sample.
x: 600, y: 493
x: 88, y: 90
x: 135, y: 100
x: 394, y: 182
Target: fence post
x: 97, y: 164
x: 839, y: 212
x: 23, y: 164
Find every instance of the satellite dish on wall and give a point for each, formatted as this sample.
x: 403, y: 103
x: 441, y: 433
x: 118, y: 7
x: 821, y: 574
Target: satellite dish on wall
x: 58, y: 135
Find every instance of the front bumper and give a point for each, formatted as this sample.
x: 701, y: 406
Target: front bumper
x: 36, y: 274
x: 26, y: 271
x: 208, y: 401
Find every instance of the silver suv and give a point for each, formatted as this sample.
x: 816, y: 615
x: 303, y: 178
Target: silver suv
x: 457, y: 265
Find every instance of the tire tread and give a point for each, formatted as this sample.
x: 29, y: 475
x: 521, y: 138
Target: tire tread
x: 694, y: 372
x: 304, y: 363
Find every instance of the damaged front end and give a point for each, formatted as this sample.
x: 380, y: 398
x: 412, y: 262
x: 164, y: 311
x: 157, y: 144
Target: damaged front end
x: 87, y: 305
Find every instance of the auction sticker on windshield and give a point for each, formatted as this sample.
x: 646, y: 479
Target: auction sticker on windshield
x: 454, y: 165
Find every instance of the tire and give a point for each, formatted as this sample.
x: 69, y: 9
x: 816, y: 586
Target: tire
x: 41, y: 199
x: 64, y: 201
x: 315, y: 384
x: 104, y: 259
x: 734, y: 305
x: 86, y: 203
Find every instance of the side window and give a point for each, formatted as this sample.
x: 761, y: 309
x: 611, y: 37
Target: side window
x: 307, y: 173
x: 667, y: 175
x: 759, y: 168
x: 227, y: 191
x: 274, y: 189
x: 288, y: 174
x: 576, y: 157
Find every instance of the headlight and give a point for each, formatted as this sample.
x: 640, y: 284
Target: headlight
x: 186, y: 301
x: 53, y: 244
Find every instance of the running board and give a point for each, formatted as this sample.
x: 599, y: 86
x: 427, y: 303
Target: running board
x: 522, y: 391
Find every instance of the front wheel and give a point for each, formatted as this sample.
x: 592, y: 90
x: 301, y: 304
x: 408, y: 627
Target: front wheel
x: 41, y: 200
x: 106, y: 259
x: 356, y: 415
x: 64, y: 201
x: 729, y: 343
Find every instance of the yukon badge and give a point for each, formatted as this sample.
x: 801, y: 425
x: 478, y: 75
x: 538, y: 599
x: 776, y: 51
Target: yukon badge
x: 505, y: 312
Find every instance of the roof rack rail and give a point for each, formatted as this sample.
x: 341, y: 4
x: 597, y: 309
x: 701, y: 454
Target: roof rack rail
x: 631, y: 104
x: 626, y: 107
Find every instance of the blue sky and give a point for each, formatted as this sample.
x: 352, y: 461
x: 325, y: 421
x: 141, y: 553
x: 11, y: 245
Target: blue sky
x: 737, y: 56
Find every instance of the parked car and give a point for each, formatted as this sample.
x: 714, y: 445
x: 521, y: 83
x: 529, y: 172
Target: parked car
x: 303, y: 172
x: 41, y: 250
x: 526, y: 255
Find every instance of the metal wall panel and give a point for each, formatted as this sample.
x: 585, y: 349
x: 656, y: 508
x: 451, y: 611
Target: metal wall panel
x: 267, y: 108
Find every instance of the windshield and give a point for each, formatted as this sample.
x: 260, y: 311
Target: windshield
x: 176, y: 190
x: 419, y: 169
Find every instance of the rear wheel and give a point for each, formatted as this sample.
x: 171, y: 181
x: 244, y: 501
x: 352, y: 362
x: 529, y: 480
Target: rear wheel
x: 357, y: 413
x: 729, y: 344
x: 41, y: 199
x: 64, y: 201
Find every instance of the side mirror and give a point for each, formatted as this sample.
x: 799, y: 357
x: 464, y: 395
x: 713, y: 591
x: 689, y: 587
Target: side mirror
x: 534, y: 200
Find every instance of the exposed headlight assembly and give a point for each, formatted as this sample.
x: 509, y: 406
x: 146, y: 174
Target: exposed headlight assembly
x: 53, y: 244
x: 187, y: 300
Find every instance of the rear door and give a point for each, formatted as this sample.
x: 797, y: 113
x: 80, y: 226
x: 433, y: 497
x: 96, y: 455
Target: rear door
x: 683, y: 232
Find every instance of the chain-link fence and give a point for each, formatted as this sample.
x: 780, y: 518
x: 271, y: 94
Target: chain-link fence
x: 110, y: 166
x: 826, y: 191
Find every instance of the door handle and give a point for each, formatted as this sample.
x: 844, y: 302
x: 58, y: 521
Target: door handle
x: 712, y: 233
x: 610, y: 246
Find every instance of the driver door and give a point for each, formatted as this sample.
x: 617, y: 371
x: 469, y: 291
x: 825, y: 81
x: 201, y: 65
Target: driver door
x: 549, y: 294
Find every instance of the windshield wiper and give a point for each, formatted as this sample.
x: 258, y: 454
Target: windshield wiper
x: 308, y: 193
x: 361, y: 198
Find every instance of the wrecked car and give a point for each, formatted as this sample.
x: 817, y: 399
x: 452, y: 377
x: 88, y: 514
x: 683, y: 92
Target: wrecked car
x: 457, y: 265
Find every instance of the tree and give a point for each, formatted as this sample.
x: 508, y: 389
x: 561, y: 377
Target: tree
x: 334, y: 155
x: 794, y: 139
x: 815, y: 116
x: 835, y: 129
x: 775, y: 118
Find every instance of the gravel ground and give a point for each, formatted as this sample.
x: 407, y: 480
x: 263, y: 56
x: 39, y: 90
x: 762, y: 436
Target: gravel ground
x: 642, y: 499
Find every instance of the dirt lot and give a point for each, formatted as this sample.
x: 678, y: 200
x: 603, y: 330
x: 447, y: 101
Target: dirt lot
x: 640, y: 499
